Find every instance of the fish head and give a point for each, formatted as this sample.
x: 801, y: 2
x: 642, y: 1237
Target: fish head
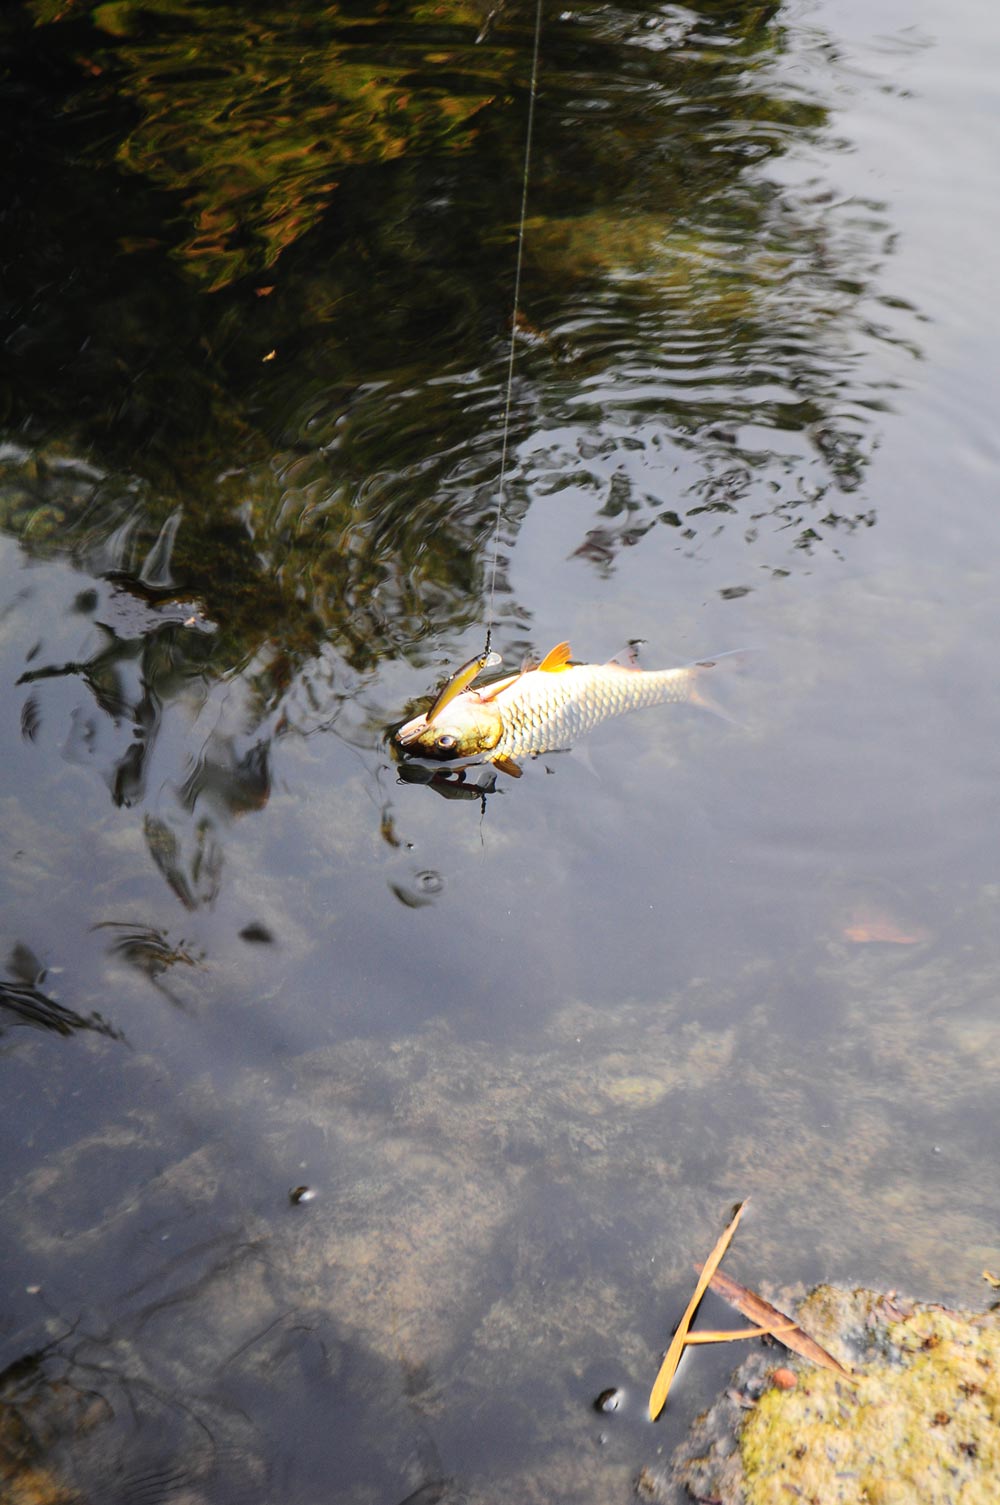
x: 466, y: 727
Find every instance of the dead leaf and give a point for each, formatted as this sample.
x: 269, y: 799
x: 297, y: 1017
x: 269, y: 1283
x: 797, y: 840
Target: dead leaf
x: 994, y: 1280
x: 890, y: 1310
x: 877, y: 926
x: 762, y: 1312
x: 661, y: 1385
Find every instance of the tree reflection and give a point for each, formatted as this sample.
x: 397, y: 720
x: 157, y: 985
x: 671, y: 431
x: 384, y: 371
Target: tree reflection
x: 294, y: 479
x: 81, y: 1414
x: 251, y: 113
x: 23, y: 1000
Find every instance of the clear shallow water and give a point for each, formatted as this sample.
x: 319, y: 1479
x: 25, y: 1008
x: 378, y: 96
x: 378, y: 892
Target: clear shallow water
x: 527, y: 1057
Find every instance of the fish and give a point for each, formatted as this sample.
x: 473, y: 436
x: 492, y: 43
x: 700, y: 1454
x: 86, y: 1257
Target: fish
x: 541, y: 709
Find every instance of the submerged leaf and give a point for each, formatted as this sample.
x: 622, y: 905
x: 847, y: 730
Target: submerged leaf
x: 779, y: 1323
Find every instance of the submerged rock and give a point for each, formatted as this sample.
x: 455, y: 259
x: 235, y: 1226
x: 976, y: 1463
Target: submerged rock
x: 918, y: 1419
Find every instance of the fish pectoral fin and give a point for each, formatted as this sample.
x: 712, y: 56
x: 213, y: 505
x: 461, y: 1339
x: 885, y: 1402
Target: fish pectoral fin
x: 493, y: 690
x: 557, y: 658
x: 508, y: 766
x: 628, y: 657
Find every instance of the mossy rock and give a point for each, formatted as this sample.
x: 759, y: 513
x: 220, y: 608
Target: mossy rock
x: 917, y: 1420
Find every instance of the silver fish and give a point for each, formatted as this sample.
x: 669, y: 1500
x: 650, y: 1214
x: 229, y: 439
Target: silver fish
x: 544, y: 709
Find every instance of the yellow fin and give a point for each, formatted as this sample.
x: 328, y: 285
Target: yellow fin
x: 508, y: 766
x: 557, y: 658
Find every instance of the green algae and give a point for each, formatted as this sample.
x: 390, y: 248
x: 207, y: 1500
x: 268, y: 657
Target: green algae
x: 917, y: 1420
x: 921, y: 1425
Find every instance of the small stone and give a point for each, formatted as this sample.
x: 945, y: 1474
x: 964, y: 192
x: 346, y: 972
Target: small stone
x: 609, y: 1400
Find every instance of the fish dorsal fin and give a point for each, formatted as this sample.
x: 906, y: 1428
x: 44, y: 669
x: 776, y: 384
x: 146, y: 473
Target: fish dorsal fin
x: 557, y: 658
x: 628, y: 657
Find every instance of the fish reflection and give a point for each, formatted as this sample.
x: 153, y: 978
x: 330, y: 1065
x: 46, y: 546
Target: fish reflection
x: 472, y: 783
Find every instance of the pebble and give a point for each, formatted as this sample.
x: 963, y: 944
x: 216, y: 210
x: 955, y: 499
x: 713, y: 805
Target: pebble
x: 609, y: 1400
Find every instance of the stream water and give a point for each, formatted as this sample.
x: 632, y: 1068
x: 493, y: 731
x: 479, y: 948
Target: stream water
x: 525, y: 1051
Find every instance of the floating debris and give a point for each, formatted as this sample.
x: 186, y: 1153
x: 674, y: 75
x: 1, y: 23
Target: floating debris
x: 775, y: 1323
x: 770, y: 1323
x: 672, y: 1357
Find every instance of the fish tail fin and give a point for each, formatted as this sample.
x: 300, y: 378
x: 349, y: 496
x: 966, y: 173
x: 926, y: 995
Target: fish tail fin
x: 703, y: 697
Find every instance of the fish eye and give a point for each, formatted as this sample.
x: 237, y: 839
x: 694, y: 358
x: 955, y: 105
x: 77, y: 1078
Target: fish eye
x: 446, y: 742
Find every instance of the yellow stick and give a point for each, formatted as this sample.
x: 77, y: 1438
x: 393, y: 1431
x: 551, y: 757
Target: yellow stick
x: 661, y: 1385
x: 730, y: 1334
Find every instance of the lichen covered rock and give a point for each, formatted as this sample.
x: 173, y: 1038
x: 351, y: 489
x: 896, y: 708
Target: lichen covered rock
x: 918, y: 1419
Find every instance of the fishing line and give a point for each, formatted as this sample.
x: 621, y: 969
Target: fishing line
x: 532, y: 94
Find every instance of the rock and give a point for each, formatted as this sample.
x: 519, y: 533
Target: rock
x: 918, y: 1419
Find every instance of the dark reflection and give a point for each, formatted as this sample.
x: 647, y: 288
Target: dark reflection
x: 239, y: 781
x: 250, y: 114
x: 101, y: 1412
x: 75, y: 1416
x: 431, y: 1494
x: 257, y: 934
x: 22, y: 998
x: 293, y: 479
x: 38, y: 1403
x: 129, y: 679
x: 148, y: 951
x: 194, y: 876
x: 453, y: 784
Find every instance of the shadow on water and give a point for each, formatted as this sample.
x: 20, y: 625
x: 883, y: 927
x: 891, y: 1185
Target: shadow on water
x: 258, y: 292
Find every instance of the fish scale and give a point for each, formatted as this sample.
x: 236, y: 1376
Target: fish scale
x: 544, y: 712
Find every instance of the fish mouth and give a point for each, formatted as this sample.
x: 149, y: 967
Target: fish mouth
x: 410, y: 731
x: 407, y: 740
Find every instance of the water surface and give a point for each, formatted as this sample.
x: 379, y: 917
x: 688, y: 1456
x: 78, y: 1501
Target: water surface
x: 527, y: 1052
